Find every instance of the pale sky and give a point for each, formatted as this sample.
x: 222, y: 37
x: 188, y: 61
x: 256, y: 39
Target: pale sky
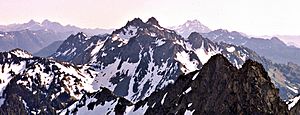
x: 253, y: 17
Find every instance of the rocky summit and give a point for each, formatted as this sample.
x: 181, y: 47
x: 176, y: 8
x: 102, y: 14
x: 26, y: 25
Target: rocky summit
x: 219, y: 88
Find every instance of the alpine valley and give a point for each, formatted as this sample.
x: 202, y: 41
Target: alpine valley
x: 144, y: 68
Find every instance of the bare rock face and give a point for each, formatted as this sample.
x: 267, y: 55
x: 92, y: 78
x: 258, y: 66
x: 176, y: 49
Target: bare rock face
x: 219, y: 88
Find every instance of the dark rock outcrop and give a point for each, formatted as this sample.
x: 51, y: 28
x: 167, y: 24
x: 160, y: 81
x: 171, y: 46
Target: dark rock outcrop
x: 219, y: 88
x: 153, y: 21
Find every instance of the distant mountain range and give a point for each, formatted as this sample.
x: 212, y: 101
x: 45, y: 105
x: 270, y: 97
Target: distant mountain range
x: 29, y: 40
x: 273, y: 48
x: 54, y: 26
x: 33, y: 36
x: 290, y: 40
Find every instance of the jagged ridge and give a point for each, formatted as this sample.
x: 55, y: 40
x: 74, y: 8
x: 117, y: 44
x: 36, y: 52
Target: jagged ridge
x: 218, y: 88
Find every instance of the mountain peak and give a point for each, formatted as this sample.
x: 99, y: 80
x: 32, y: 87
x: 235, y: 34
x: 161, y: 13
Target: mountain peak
x: 223, y: 89
x: 135, y: 22
x: 195, y: 21
x: 81, y: 35
x: 277, y: 41
x: 46, y: 21
x: 21, y: 53
x: 32, y: 22
x: 191, y: 26
x: 152, y: 21
x: 218, y: 60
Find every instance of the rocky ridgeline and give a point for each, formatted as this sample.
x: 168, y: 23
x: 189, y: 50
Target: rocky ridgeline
x: 218, y: 88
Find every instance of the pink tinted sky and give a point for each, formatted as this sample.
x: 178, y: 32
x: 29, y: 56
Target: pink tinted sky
x: 254, y: 17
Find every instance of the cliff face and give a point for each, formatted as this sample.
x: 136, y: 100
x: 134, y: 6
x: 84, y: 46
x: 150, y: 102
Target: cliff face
x: 219, y: 88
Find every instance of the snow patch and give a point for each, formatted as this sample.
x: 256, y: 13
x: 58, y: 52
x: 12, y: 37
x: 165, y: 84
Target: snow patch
x: 188, y: 112
x: 205, y: 55
x: 195, y: 76
x: 188, y: 90
x: 184, y: 59
x: 21, y: 54
x: 128, y: 32
x: 6, y: 76
x: 230, y: 49
x: 292, y: 89
x: 98, y: 46
x: 163, y: 99
x: 292, y: 102
x: 190, y: 104
x: 159, y: 42
x: 114, y: 38
x: 69, y: 51
x: 231, y: 37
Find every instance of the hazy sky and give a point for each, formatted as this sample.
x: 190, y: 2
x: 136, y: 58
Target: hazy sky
x: 254, y: 17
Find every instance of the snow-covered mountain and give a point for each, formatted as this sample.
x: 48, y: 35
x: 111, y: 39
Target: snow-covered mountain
x: 139, y: 58
x: 218, y: 87
x: 142, y: 57
x: 34, y: 85
x: 190, y: 26
x: 53, y: 26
